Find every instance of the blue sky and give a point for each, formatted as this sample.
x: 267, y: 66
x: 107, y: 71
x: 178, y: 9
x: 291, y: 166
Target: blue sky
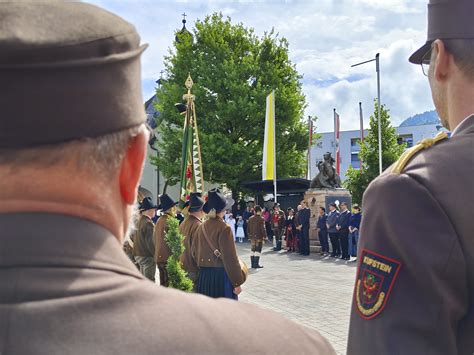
x: 325, y: 36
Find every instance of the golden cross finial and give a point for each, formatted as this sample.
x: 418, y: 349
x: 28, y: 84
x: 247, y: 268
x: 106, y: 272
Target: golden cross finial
x: 189, y: 82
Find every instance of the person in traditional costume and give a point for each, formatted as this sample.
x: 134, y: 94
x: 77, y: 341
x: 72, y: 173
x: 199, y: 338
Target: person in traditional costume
x: 221, y: 273
x: 290, y: 231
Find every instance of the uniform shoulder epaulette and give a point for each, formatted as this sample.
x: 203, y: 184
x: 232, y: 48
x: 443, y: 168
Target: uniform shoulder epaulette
x: 410, y: 153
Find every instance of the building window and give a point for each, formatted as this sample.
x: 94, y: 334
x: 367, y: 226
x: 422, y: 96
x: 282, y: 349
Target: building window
x: 407, y: 139
x: 355, y: 160
x: 355, y: 144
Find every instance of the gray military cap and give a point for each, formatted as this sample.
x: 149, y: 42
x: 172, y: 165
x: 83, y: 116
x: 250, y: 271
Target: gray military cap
x: 447, y: 19
x: 67, y: 71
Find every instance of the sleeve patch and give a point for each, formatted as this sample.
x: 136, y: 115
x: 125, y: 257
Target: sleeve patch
x: 375, y: 278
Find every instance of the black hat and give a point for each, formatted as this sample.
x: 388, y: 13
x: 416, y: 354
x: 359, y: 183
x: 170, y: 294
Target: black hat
x: 166, y: 202
x: 195, y: 202
x: 447, y: 19
x: 216, y: 200
x: 147, y: 204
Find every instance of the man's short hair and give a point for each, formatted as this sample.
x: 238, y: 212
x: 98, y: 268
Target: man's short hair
x: 100, y: 156
x: 463, y: 54
x: 258, y: 209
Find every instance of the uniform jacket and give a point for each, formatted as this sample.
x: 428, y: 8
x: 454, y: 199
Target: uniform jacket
x: 144, y: 244
x: 355, y: 220
x: 321, y: 224
x: 68, y: 288
x: 281, y: 220
x: 344, y: 219
x: 420, y: 224
x: 332, y: 219
x: 188, y: 228
x: 222, y: 238
x: 256, y: 228
x: 162, y: 251
x: 303, y: 217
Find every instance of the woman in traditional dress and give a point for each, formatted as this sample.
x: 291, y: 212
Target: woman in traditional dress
x: 240, y: 230
x: 221, y: 273
x: 290, y: 231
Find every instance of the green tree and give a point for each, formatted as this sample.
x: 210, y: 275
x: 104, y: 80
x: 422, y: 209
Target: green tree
x: 358, y: 180
x: 174, y: 239
x: 233, y: 71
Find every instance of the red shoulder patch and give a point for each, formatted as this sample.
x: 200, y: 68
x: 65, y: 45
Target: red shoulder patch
x: 376, y: 276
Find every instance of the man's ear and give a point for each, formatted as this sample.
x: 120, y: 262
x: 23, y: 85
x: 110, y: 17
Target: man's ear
x: 132, y: 166
x: 442, y: 62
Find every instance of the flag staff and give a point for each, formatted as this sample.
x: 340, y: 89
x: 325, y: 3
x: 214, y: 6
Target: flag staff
x: 361, y: 131
x: 377, y: 69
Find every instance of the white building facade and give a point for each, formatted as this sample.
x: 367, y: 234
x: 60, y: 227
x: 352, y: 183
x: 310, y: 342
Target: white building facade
x: 349, y: 145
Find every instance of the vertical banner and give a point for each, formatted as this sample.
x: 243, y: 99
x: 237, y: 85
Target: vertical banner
x: 336, y: 141
x: 269, y: 143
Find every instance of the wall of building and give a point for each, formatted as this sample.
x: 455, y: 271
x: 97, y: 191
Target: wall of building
x: 349, y: 149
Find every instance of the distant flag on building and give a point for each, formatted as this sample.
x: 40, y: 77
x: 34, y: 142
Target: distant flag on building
x: 192, y: 179
x: 269, y: 143
x: 337, y: 129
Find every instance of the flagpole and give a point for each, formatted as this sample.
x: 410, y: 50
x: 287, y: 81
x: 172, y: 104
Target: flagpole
x: 274, y: 149
x: 361, y: 132
x: 335, y: 140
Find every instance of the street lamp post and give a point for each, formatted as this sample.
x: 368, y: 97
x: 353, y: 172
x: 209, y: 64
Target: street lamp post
x: 377, y: 68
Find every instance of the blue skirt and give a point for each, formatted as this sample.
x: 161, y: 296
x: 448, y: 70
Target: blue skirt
x: 214, y: 282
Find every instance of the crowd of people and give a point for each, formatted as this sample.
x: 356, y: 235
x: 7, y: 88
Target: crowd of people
x: 209, y: 258
x: 337, y: 230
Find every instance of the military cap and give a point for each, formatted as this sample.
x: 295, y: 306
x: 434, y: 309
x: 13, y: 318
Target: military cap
x: 68, y: 70
x: 447, y: 19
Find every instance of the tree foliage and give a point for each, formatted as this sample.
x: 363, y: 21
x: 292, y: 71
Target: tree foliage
x: 174, y: 239
x: 233, y: 72
x: 358, y: 180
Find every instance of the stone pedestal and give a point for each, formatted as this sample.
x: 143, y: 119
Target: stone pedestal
x: 322, y: 197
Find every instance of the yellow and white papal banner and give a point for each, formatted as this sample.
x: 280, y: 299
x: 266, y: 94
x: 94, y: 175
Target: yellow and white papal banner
x: 269, y: 146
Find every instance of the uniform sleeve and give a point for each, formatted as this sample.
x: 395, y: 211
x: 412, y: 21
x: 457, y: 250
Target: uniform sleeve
x: 405, y: 229
x: 149, y: 240
x: 230, y: 259
x: 263, y: 231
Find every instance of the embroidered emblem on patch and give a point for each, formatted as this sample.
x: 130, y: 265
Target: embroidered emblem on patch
x: 375, y: 279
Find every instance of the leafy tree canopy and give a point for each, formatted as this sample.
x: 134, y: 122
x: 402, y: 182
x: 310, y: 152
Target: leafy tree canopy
x: 233, y: 71
x: 358, y: 180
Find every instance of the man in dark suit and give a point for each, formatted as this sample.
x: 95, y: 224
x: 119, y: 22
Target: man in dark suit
x: 414, y: 291
x: 70, y: 163
x: 303, y: 223
x: 342, y: 227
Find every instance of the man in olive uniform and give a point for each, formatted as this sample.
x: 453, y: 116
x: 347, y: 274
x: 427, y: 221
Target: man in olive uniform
x: 188, y: 229
x: 162, y: 250
x: 73, y: 142
x: 257, y: 234
x: 144, y: 245
x: 278, y: 225
x: 414, y: 291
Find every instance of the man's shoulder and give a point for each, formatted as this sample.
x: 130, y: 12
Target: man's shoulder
x: 220, y: 317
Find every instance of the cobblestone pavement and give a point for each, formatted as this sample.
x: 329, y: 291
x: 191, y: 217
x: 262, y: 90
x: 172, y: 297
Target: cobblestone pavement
x: 313, y: 291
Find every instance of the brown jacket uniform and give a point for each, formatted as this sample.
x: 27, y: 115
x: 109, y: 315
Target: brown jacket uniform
x: 64, y: 276
x: 188, y: 228
x: 222, y: 238
x: 144, y: 244
x: 414, y: 290
x: 256, y: 228
x: 162, y: 251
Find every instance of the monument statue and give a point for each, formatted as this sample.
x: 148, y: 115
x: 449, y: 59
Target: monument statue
x: 327, y: 177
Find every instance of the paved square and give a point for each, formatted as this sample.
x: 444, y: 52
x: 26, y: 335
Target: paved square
x: 313, y: 291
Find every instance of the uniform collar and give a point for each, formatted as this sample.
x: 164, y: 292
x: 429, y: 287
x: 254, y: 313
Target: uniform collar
x: 465, y: 124
x: 55, y: 240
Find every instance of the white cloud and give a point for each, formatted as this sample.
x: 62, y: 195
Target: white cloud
x: 325, y: 36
